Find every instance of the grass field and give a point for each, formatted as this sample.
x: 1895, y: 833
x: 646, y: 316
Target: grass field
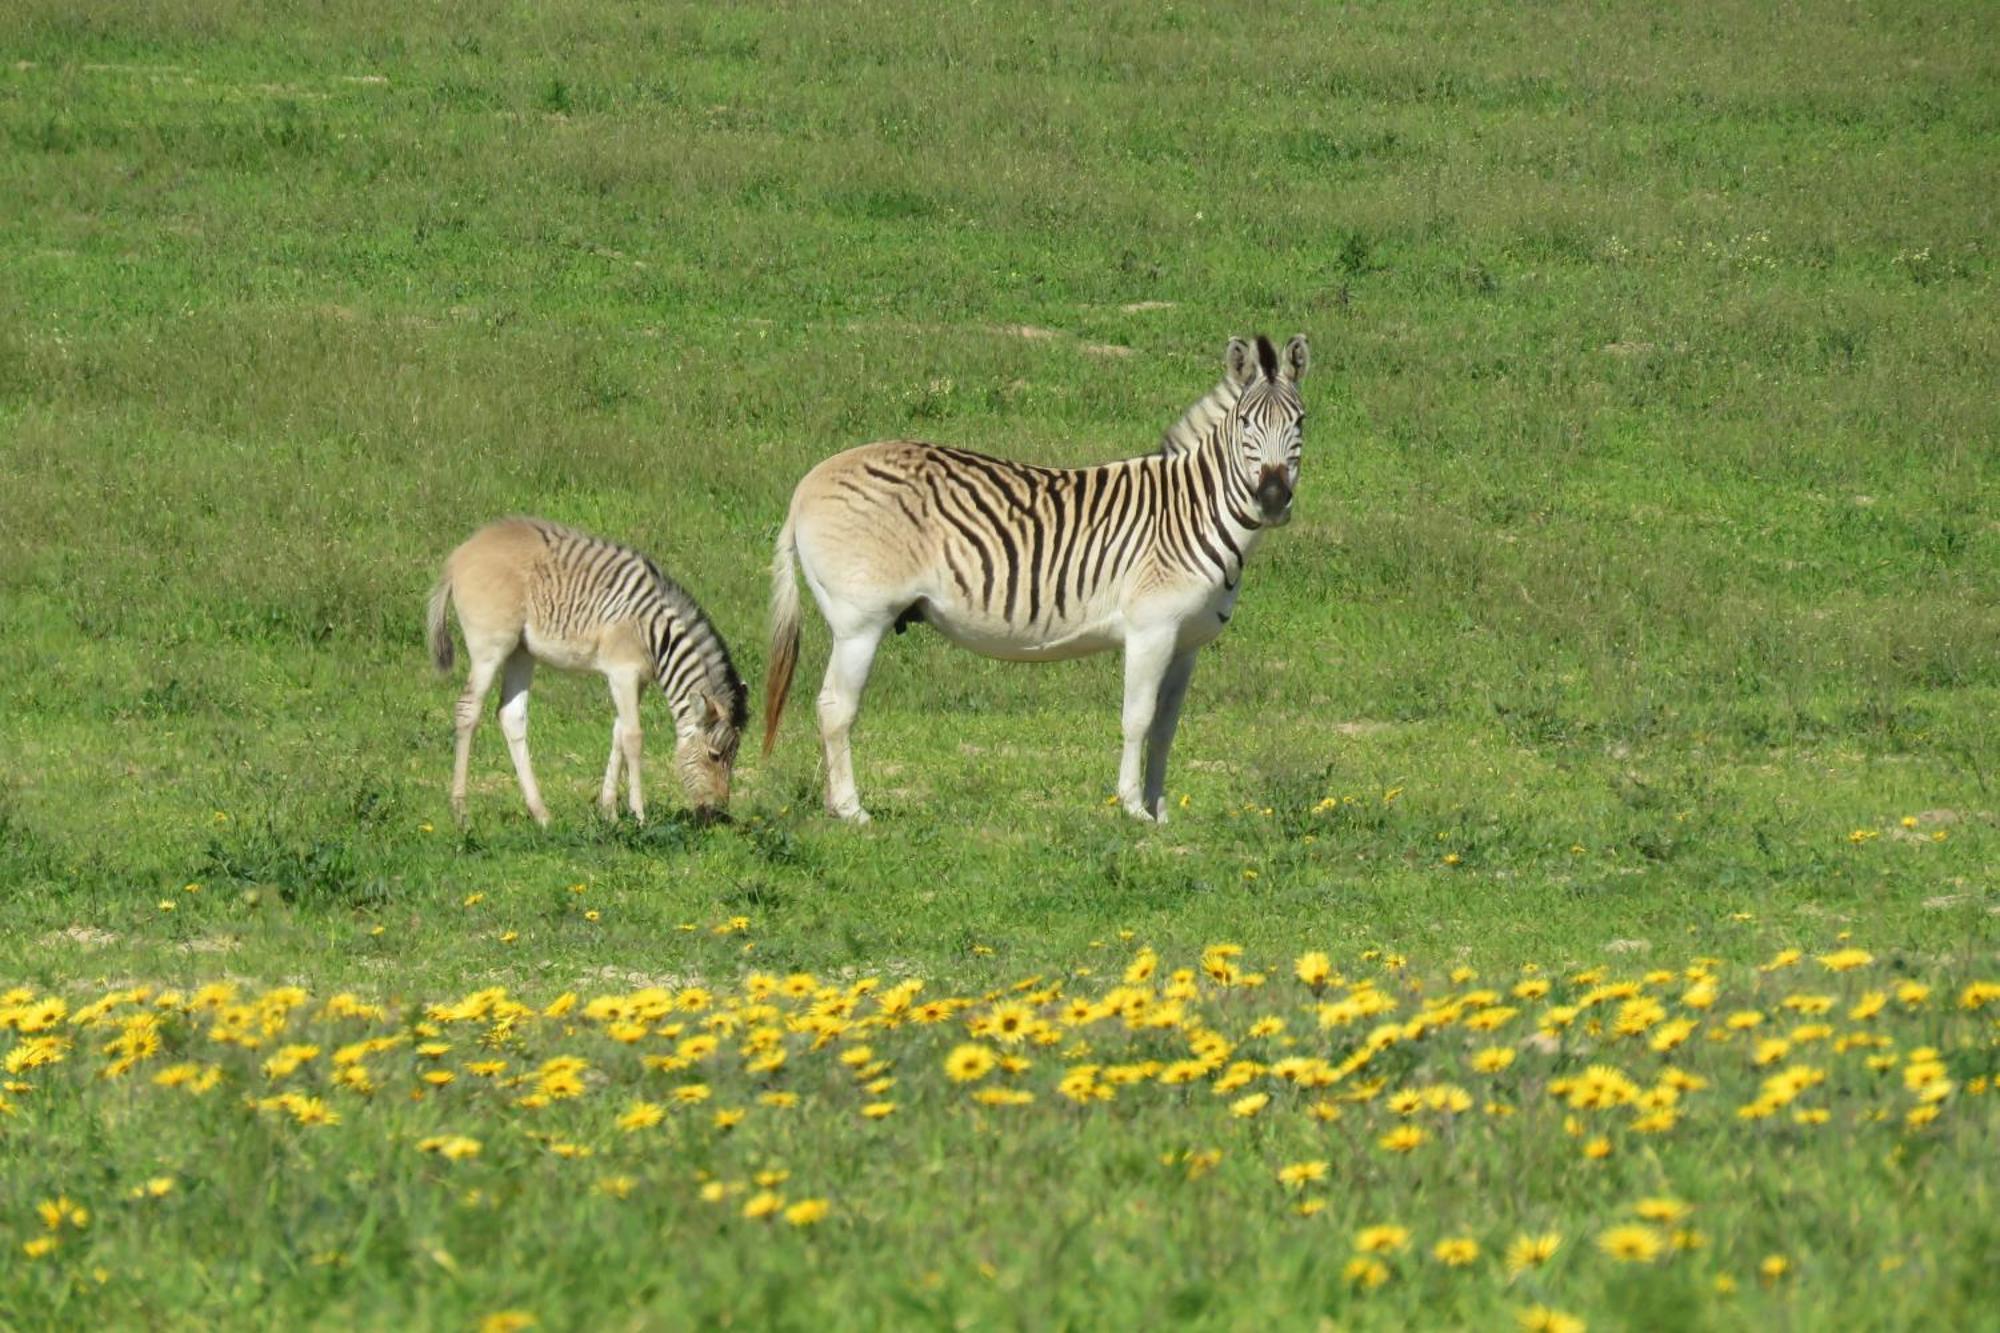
x: 1639, y: 625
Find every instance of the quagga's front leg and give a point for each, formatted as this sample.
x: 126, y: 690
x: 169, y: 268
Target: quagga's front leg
x: 1160, y: 736
x: 1149, y: 659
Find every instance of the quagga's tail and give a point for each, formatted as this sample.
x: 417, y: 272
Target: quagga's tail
x: 784, y: 632
x: 434, y: 623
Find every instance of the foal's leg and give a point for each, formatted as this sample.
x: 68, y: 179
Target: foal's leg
x: 607, y: 799
x: 625, y: 738
x: 1147, y: 657
x: 1160, y: 736
x: 519, y: 671
x: 847, y: 669
x: 483, y: 660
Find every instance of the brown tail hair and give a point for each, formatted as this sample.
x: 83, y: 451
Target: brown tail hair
x: 434, y: 623
x: 784, y: 633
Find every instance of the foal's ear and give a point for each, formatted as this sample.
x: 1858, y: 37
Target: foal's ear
x: 712, y: 711
x: 1297, y: 356
x: 1239, y: 359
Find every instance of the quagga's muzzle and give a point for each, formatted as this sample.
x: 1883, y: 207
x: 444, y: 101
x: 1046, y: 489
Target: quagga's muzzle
x: 1274, y: 497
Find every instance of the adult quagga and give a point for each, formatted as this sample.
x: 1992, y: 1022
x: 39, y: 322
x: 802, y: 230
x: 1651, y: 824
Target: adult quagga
x: 531, y: 591
x: 1036, y: 564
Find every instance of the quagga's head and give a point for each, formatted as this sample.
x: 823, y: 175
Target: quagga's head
x: 1268, y: 426
x: 706, y: 754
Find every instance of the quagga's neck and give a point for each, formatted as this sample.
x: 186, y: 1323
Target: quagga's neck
x: 1221, y: 501
x: 1203, y: 425
x: 1209, y: 525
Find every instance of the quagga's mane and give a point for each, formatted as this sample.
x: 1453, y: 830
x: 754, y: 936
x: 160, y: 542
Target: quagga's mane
x: 1199, y: 424
x: 681, y: 610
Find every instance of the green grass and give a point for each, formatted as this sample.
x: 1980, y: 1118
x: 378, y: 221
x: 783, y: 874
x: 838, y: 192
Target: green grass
x: 1646, y: 547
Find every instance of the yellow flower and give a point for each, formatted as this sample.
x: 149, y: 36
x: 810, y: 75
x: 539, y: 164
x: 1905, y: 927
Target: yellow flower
x: 762, y: 1204
x: 1597, y: 1149
x: 1541, y: 1319
x: 1775, y: 1266
x: 1245, y: 1107
x: 688, y: 1094
x: 969, y: 1062
x: 806, y: 1212
x: 641, y: 1115
x: 1845, y: 960
x: 1492, y: 1059
x: 1531, y: 1251
x: 1631, y: 1243
x: 154, y: 1188
x: 1298, y: 1173
x: 616, y: 1187
x: 1403, y: 1138
x: 1314, y: 969
x: 507, y: 1321
x: 729, y: 1118
x: 1385, y: 1239
x: 879, y: 1110
x: 39, y: 1246
x: 1668, y: 1211
x: 61, y: 1211
x: 1456, y: 1251
x: 452, y: 1147
x: 1366, y: 1273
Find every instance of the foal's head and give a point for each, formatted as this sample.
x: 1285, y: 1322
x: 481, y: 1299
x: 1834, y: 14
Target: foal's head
x: 706, y: 753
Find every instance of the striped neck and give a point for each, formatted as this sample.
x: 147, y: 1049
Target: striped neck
x: 692, y: 661
x: 1201, y: 424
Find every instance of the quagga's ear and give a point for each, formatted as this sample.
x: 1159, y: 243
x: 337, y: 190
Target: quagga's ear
x: 1240, y: 360
x: 1292, y: 365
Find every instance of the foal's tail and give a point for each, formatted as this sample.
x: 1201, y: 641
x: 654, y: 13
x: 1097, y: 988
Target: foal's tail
x: 784, y: 632
x: 434, y: 624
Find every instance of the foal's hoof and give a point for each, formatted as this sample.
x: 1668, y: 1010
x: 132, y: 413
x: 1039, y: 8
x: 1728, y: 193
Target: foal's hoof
x: 857, y: 816
x: 1157, y: 815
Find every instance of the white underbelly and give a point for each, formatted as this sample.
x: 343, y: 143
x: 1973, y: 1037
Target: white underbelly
x: 1045, y: 643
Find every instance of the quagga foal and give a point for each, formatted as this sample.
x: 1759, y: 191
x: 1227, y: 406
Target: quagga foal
x: 1036, y: 564
x: 531, y: 591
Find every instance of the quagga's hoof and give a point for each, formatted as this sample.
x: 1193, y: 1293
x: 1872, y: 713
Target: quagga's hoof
x: 1154, y: 816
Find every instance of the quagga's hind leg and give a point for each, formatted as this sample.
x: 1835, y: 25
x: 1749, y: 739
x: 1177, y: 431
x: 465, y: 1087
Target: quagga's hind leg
x: 1148, y: 657
x: 1160, y: 736
x: 482, y: 665
x: 516, y: 676
x: 847, y: 669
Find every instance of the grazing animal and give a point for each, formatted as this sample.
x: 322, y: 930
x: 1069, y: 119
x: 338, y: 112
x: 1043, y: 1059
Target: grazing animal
x: 531, y: 591
x: 1038, y: 564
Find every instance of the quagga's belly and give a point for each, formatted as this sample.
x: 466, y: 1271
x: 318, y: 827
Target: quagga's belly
x: 990, y: 636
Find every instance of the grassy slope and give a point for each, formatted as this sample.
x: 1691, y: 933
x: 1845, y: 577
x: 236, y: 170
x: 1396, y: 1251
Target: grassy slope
x: 1649, y: 503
